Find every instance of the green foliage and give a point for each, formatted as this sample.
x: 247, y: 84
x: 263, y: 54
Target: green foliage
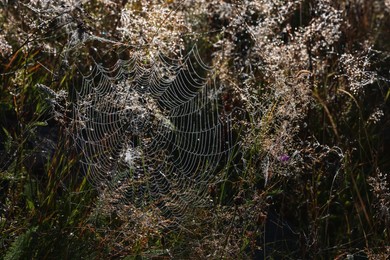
x: 20, y: 247
x: 310, y: 182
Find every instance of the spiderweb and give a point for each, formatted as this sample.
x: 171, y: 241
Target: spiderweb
x: 154, y: 131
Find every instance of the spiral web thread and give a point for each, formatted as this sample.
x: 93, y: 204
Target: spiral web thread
x: 154, y: 133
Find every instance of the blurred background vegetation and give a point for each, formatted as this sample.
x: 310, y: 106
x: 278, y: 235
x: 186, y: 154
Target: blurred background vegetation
x: 312, y: 179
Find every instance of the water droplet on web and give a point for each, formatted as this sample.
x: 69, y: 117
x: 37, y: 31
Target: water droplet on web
x: 171, y: 126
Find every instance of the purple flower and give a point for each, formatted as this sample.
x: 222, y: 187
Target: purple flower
x: 284, y: 158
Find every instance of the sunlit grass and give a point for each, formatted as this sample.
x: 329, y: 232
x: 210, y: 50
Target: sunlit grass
x: 310, y: 179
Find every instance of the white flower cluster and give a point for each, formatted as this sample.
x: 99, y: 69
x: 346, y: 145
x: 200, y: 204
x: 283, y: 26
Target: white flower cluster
x: 355, y: 69
x: 146, y: 23
x: 5, y: 48
x: 376, y: 116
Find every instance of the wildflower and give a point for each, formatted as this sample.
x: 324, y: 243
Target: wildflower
x: 284, y: 158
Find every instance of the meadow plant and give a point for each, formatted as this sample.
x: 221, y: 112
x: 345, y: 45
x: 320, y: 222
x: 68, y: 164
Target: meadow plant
x: 301, y: 88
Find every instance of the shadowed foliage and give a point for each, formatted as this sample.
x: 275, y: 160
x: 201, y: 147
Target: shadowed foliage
x: 301, y: 88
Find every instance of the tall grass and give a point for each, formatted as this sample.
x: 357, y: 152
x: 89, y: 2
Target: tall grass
x: 311, y: 179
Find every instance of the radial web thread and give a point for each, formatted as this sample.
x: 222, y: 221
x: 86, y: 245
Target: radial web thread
x: 155, y: 132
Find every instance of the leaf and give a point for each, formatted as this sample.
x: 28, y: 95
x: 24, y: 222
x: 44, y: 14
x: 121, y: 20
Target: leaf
x: 8, y: 142
x: 30, y: 205
x: 7, y: 133
x: 43, y: 123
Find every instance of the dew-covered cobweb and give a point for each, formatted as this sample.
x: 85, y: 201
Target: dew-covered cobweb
x: 154, y: 131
